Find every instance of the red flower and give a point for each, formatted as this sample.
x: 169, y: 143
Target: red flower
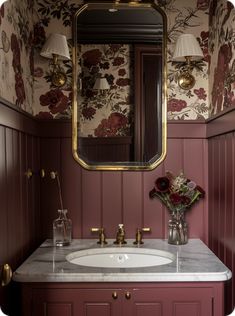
x: 89, y: 112
x: 200, y: 190
x: 121, y: 72
x: 185, y: 200
x: 162, y: 184
x: 112, y: 125
x: 117, y: 120
x: 201, y: 93
x: 92, y: 57
x: 115, y: 47
x: 175, y: 105
x: 118, y: 61
x: 122, y: 82
x: 55, y: 100
x: 175, y: 198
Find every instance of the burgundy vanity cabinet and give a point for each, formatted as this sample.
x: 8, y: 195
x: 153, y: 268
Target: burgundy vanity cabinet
x: 123, y: 299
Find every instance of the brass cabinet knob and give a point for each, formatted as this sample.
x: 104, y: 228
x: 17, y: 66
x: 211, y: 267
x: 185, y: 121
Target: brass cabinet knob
x: 128, y: 295
x: 6, y: 274
x: 29, y: 173
x: 114, y: 295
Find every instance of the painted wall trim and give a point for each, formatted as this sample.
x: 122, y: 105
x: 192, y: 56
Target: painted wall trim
x: 223, y: 123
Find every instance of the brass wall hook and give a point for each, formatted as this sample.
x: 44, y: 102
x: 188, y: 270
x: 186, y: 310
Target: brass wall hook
x: 6, y: 274
x: 29, y: 173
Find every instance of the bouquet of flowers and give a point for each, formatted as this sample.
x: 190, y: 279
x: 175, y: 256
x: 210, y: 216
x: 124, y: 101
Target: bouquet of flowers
x: 177, y: 193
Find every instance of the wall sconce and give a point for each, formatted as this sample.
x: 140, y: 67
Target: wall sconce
x: 187, y: 49
x: 2, y: 1
x: 101, y: 84
x: 56, y: 48
x: 233, y: 2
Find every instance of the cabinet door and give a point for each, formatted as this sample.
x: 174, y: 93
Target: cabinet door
x: 79, y: 302
x: 169, y: 302
x: 54, y: 302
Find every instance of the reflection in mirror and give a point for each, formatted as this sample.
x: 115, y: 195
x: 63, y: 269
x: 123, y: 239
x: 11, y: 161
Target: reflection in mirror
x: 119, y: 113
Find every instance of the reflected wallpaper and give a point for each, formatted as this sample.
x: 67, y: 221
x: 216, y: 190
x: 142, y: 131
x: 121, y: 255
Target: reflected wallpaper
x: 25, y: 78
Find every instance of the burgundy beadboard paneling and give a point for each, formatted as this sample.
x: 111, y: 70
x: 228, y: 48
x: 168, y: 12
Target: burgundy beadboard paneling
x: 19, y: 218
x: 105, y: 199
x: 221, y: 175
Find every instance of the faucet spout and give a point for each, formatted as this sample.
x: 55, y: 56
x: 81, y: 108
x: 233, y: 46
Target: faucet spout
x: 120, y: 237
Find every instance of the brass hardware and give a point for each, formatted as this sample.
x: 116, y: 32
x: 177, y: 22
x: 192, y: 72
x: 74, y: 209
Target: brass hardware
x: 114, y: 295
x: 139, y: 235
x: 128, y: 295
x: 102, y: 236
x: 53, y: 174
x: 186, y: 80
x: 120, y: 237
x: 42, y: 173
x: 58, y: 77
x: 6, y: 274
x: 29, y: 173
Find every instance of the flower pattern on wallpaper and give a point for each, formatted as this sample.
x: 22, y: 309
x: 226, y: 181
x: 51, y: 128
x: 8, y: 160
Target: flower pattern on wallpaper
x: 193, y: 103
x: 222, y: 46
x: 108, y: 112
x: 16, y: 84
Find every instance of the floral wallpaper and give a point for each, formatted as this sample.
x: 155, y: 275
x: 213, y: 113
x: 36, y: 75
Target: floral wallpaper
x: 108, y: 112
x: 25, y: 78
x: 222, y: 50
x: 16, y: 53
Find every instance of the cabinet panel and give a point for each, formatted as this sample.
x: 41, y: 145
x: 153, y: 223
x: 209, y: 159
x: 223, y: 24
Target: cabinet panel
x: 95, y: 309
x: 58, y: 309
x: 148, y: 309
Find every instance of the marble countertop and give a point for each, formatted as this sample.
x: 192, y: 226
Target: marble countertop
x: 193, y: 262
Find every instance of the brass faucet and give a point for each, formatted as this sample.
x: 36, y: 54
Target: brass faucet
x: 102, y: 236
x: 120, y: 237
x: 139, y: 235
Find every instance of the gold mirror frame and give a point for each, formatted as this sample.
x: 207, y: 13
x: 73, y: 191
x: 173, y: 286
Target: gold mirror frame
x: 116, y: 166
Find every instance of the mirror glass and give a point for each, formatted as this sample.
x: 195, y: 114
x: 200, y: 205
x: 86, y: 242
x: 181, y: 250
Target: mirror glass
x: 119, y: 86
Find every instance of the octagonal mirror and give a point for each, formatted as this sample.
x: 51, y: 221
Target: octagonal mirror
x: 119, y: 86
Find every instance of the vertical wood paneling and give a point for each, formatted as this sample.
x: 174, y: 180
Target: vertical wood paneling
x: 3, y: 196
x: 71, y: 187
x: 50, y: 202
x: 153, y: 211
x: 132, y: 202
x: 112, y: 202
x: 194, y: 166
x: 221, y: 204
x: 92, y: 201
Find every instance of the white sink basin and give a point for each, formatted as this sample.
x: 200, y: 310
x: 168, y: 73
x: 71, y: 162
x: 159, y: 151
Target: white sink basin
x: 123, y: 257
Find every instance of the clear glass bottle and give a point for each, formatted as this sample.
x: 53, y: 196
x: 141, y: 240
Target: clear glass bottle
x: 62, y: 229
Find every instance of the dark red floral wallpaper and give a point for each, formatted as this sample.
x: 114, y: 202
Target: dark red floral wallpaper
x: 108, y: 112
x: 25, y: 76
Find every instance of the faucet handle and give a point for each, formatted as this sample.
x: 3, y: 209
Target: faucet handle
x: 102, y: 236
x: 139, y: 235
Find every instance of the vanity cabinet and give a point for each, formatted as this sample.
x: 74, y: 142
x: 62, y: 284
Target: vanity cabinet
x: 123, y: 299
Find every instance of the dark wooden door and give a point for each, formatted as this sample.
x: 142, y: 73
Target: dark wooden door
x: 148, y: 101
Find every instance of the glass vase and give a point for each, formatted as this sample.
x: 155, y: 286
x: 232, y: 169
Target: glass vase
x: 177, y: 229
x: 62, y: 229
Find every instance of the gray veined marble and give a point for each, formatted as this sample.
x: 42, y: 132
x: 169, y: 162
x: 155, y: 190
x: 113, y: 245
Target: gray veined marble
x: 192, y: 262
